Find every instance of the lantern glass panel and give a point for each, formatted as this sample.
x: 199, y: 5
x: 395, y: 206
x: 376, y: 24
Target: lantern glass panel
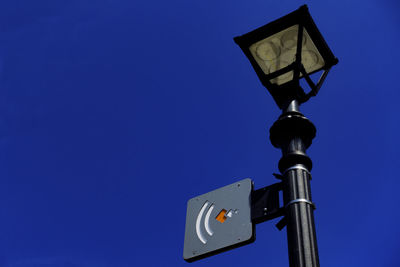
x: 279, y: 50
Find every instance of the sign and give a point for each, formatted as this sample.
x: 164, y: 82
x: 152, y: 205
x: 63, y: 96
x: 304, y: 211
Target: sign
x: 218, y: 221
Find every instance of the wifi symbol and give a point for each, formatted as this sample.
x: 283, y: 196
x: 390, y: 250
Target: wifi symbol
x: 221, y: 217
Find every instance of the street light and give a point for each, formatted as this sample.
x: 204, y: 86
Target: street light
x: 282, y: 53
x: 286, y: 50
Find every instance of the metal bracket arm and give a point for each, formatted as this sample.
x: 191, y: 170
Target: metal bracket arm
x: 265, y: 203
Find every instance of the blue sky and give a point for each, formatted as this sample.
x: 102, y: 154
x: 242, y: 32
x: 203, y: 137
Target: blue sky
x: 114, y: 113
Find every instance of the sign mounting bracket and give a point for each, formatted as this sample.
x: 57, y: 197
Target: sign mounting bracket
x: 265, y: 205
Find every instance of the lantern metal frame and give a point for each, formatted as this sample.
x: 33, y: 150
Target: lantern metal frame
x: 290, y: 90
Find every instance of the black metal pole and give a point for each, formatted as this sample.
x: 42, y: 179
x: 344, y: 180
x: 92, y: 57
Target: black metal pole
x: 293, y: 133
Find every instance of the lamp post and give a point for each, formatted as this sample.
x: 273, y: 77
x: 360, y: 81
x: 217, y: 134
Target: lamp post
x: 282, y: 53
